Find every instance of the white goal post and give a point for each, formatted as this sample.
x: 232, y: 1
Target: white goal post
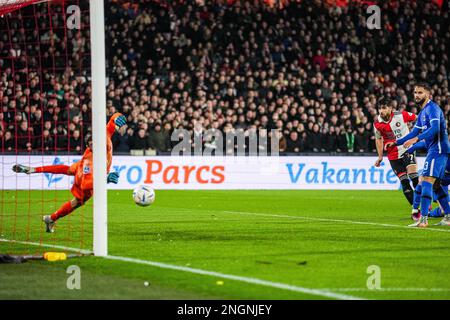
x: 98, y: 77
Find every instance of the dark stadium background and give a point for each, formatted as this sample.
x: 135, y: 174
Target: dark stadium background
x: 310, y: 70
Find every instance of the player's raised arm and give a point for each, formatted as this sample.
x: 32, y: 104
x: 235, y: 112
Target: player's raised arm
x: 116, y: 122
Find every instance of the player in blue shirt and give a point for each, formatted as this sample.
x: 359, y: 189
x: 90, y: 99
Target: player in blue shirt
x: 444, y: 182
x: 430, y: 127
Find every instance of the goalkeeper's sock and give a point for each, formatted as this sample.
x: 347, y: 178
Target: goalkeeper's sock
x: 58, y: 169
x: 65, y: 209
x: 426, y: 198
x: 417, y: 196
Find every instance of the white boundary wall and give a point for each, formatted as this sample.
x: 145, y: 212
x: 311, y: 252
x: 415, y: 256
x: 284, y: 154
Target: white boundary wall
x: 216, y: 173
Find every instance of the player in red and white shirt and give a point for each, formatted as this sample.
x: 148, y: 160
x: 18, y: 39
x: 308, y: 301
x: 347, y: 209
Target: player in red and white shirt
x: 390, y: 126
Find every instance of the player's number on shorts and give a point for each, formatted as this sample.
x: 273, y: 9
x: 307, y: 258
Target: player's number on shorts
x: 425, y: 166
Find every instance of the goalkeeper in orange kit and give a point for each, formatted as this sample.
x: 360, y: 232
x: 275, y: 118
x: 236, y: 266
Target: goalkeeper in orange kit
x: 82, y: 170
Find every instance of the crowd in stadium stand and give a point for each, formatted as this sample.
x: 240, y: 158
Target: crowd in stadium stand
x: 44, y: 82
x: 312, y: 72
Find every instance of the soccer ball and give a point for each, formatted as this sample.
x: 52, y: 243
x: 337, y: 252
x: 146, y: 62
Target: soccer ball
x: 143, y: 196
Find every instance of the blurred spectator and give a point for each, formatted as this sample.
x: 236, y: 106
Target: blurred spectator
x: 61, y: 138
x: 329, y: 140
x: 362, y: 138
x: 24, y: 137
x: 139, y: 142
x: 282, y: 143
x: 312, y: 72
x: 46, y: 142
x: 349, y: 139
x: 294, y: 143
x: 8, y: 142
x: 121, y: 141
x: 314, y: 139
x: 159, y: 139
x: 75, y: 141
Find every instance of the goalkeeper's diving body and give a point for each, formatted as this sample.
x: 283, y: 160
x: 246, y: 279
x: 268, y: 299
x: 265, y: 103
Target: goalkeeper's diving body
x: 82, y: 188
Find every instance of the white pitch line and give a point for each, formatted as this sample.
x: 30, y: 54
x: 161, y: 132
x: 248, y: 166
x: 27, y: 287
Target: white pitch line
x: 387, y: 289
x: 54, y: 246
x: 316, y: 292
x: 332, y: 220
x: 283, y: 286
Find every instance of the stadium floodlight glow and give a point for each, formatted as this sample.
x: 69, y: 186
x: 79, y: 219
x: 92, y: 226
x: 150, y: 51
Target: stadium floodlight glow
x: 97, y: 26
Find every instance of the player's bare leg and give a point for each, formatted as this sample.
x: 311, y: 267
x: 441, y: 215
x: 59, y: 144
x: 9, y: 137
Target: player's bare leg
x: 56, y: 169
x: 413, y: 175
x: 66, y: 208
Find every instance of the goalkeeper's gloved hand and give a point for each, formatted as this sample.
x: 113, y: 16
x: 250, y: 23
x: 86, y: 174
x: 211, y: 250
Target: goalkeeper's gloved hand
x: 120, y: 121
x: 113, y: 177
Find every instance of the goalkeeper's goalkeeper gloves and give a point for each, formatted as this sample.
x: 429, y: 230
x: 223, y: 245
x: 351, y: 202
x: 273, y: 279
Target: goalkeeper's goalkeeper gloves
x: 113, y: 177
x: 120, y: 121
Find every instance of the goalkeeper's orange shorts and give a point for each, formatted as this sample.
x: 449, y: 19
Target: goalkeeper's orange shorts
x: 80, y: 194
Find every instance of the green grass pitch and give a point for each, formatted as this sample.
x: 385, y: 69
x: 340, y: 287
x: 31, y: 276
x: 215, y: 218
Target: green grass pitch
x: 321, y: 240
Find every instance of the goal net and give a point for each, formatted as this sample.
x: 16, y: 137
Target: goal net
x: 45, y: 97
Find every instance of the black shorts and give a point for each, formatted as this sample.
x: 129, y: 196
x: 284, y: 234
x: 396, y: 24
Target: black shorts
x: 399, y: 166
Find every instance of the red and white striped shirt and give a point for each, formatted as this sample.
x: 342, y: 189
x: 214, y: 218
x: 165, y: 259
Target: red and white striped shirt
x: 395, y: 128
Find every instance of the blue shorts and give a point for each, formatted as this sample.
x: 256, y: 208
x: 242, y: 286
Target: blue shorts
x: 435, y: 196
x: 445, y: 181
x: 435, y: 165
